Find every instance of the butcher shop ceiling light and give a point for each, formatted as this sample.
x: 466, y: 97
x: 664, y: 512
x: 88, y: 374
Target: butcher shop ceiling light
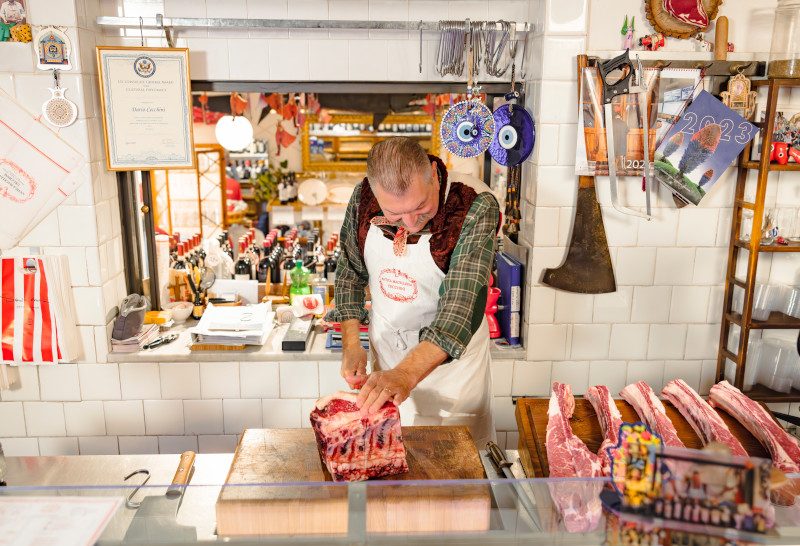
x: 235, y: 132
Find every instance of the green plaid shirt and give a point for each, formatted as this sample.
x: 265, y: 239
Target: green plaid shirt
x: 462, y: 300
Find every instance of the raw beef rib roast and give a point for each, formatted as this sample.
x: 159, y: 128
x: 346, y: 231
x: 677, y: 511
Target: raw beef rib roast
x: 357, y: 447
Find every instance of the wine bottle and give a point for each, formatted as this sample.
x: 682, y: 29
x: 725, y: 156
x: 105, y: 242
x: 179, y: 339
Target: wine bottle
x: 264, y: 263
x: 242, y: 269
x: 198, y: 306
x: 180, y: 263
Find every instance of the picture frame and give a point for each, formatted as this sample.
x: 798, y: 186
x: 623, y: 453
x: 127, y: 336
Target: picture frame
x: 146, y: 104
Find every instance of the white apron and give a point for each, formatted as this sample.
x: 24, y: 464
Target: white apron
x: 405, y: 298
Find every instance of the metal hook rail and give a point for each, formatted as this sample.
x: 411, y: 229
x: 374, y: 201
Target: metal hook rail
x: 322, y: 24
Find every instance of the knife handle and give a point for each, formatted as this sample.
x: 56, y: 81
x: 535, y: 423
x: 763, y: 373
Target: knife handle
x: 181, y: 477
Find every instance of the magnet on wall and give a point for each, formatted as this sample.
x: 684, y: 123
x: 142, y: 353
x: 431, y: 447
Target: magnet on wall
x: 467, y: 128
x: 514, y: 135
x: 53, y: 49
x: 57, y: 110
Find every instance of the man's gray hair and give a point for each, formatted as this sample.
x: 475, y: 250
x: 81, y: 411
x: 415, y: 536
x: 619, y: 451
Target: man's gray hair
x: 394, y: 162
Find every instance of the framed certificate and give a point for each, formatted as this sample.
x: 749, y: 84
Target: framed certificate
x: 146, y: 101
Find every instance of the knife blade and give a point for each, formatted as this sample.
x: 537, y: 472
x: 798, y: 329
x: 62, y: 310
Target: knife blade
x: 156, y: 518
x: 500, y: 461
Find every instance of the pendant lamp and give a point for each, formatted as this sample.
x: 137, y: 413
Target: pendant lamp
x: 235, y: 132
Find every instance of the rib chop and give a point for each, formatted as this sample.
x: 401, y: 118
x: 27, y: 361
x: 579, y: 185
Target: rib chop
x: 706, y: 422
x: 651, y: 411
x: 357, y: 447
x: 610, y: 421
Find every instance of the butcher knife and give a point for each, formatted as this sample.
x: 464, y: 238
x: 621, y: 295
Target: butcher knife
x: 155, y: 519
x: 502, y: 464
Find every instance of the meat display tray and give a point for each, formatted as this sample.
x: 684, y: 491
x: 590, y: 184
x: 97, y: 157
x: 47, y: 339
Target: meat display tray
x: 306, y: 501
x: 531, y: 416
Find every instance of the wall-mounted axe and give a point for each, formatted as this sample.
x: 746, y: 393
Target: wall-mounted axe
x: 587, y: 268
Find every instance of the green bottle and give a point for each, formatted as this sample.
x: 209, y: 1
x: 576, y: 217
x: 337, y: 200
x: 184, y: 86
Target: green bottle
x: 300, y: 285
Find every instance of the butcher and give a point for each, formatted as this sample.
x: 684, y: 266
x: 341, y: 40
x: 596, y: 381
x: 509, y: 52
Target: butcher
x: 423, y: 240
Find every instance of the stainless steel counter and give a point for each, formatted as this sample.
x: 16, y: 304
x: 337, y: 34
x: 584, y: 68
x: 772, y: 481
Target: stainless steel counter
x: 178, y: 351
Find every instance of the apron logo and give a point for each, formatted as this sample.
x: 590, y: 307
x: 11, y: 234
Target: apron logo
x: 398, y: 286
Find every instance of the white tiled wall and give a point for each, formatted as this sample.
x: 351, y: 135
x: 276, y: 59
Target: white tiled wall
x: 660, y: 324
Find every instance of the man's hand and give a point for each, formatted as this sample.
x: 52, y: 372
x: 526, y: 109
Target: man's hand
x: 382, y: 386
x: 396, y: 384
x: 354, y: 357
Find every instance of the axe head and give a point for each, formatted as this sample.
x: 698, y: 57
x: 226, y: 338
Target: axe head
x: 587, y: 268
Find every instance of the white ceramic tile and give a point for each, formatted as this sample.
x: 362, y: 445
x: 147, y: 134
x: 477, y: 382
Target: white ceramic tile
x: 590, y: 341
x: 77, y: 225
x: 219, y: 379
x: 688, y: 370
x: 715, y: 304
x: 202, y: 416
x: 124, y: 418
x: 259, y: 379
x: 674, y: 266
x: 531, y: 378
x: 217, y: 443
x: 555, y: 186
x: 288, y: 59
x: 502, y: 371
x: 702, y: 341
x: 541, y: 259
x: 546, y: 229
x: 667, y: 341
x: 248, y: 59
x: 241, y: 414
x: 307, y: 405
x: 43, y: 234
x: 708, y: 376
x: 96, y: 270
x: 111, y: 300
x: 474, y: 9
x: 651, y: 371
x: 697, y: 226
x: 330, y: 377
x: 542, y: 304
x: 388, y: 10
x: 724, y: 227
x: 651, y: 303
x: 567, y: 140
x: 559, y: 59
x: 710, y: 265
x: 103, y: 212
x: 614, y: 306
x: 85, y: 418
x: 328, y: 59
x: 299, y: 380
x: 575, y: 374
x: 58, y: 446
x: 76, y: 257
x: 628, y: 341
x: 18, y: 58
x: 308, y: 9
x: 99, y: 381
x: 573, y: 307
x: 89, y: 305
x: 102, y: 335
x: 281, y: 413
x: 208, y: 58
x: 140, y: 381
x: 163, y: 417
x: 547, y: 342
x: 558, y: 102
x: 20, y: 447
x: 180, y: 380
x: 660, y: 231
x: 689, y: 304
x: 611, y: 373
x: 136, y: 445
x: 404, y: 60
x: 27, y: 388
x: 176, y: 444
x: 501, y: 437
x: 44, y: 418
x: 635, y: 266
x: 348, y: 10
x: 503, y: 409
x: 98, y: 445
x: 12, y: 419
x: 546, y: 150
x: 568, y: 16
x: 59, y: 382
x: 427, y: 10
x: 368, y: 63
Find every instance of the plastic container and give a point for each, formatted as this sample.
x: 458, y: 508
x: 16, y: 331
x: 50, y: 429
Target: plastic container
x: 792, y: 302
x: 775, y: 368
x: 784, y: 54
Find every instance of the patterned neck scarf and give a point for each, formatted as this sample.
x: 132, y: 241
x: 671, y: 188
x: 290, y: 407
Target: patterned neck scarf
x: 400, y: 237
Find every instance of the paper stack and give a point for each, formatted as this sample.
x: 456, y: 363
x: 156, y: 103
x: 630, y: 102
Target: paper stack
x: 148, y: 333
x: 237, y: 325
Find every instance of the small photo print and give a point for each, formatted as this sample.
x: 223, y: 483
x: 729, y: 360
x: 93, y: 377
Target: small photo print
x: 12, y: 12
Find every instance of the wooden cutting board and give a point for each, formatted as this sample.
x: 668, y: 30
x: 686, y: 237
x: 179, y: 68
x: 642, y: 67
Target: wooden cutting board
x: 532, y: 422
x: 289, y: 456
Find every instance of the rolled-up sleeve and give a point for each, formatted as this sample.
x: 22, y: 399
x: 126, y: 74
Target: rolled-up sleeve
x: 351, y: 272
x: 464, y: 287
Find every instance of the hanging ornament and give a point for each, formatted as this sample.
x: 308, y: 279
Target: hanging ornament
x: 275, y: 101
x: 681, y: 18
x: 467, y: 128
x: 57, y: 110
x: 53, y: 49
x: 514, y: 135
x: 312, y: 103
x: 283, y: 137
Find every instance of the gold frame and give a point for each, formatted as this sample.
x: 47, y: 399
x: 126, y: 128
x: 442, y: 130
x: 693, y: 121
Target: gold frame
x: 367, y: 119
x: 188, y: 80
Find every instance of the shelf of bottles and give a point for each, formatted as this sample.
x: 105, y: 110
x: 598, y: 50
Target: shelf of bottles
x: 245, y: 167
